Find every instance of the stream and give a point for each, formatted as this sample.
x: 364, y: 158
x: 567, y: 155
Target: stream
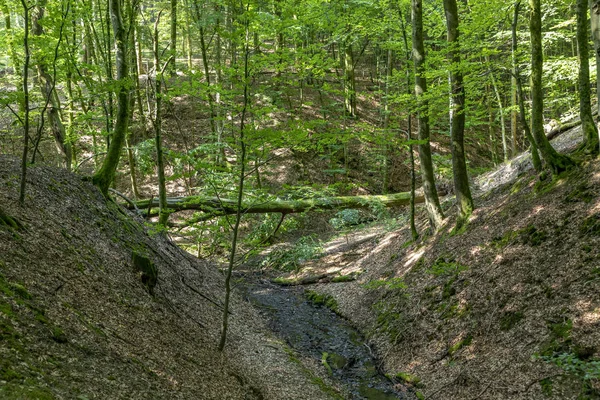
x: 317, y: 333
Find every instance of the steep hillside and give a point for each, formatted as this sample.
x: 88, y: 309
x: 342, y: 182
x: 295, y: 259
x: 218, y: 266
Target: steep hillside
x: 78, y: 320
x: 506, y: 308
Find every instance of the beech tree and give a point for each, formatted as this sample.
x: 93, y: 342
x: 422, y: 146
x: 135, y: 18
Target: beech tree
x: 590, y: 130
x: 432, y: 202
x: 464, y: 200
x: 555, y: 161
x: 104, y: 177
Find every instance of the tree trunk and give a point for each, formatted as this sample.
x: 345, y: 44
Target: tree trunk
x: 25, y: 87
x: 464, y: 200
x: 349, y: 81
x: 595, y: 23
x: 432, y: 203
x: 106, y: 174
x: 214, y: 206
x: 173, y: 50
x: 555, y: 161
x: 500, y: 110
x: 590, y: 131
x: 163, y: 215
x: 48, y: 89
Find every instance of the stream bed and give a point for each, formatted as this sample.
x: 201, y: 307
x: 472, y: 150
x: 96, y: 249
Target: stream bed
x: 326, y: 340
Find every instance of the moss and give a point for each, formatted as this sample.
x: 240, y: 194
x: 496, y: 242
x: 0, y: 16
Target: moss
x: 389, y: 320
x: 370, y: 393
x: 582, y: 192
x: 420, y: 396
x: 319, y: 299
x: 29, y: 391
x: 532, y: 236
x: 529, y: 235
x: 509, y: 319
x: 408, y: 378
x: 446, y: 266
x: 559, y: 339
x: 325, y: 388
x: 58, y: 335
x: 459, y: 345
x: 590, y: 225
x: 324, y: 358
x: 391, y: 284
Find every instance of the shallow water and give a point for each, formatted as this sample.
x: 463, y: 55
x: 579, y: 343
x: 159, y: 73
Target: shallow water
x: 317, y: 332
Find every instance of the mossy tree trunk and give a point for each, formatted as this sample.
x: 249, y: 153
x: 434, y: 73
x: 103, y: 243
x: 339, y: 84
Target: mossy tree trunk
x: 555, y: 161
x: 213, y: 206
x: 595, y: 24
x: 535, y: 156
x: 590, y: 131
x: 464, y: 200
x: 432, y: 202
x: 106, y: 174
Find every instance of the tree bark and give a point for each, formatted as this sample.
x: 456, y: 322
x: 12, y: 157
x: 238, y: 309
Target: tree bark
x: 106, y: 174
x: 595, y: 25
x: 535, y: 156
x: 214, y: 206
x: 432, y: 203
x: 163, y: 214
x: 349, y: 81
x: 464, y: 200
x: 588, y: 126
x: 555, y: 161
x: 48, y: 89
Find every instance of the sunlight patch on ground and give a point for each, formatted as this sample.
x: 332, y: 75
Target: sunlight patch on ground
x: 538, y: 209
x: 412, y: 258
x: 589, y: 316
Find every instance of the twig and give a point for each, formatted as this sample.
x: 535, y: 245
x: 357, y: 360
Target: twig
x: 137, y: 210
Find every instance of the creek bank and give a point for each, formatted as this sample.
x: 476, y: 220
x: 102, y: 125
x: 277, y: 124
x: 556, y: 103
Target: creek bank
x: 324, y: 341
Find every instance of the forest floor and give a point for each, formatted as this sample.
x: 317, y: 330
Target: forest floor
x: 77, y: 321
x: 506, y: 308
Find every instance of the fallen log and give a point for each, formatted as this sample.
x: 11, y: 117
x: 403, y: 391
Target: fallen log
x: 311, y: 279
x: 214, y: 206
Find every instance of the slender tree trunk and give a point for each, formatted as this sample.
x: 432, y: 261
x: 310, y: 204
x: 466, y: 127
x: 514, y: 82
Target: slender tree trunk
x: 349, y: 81
x: 555, y: 161
x: 464, y: 200
x: 500, y: 111
x: 595, y: 23
x: 106, y: 174
x: 25, y: 102
x: 432, y: 202
x: 590, y: 130
x: 47, y: 86
x: 413, y: 175
x: 163, y: 215
x: 173, y: 52
x: 240, y: 193
x: 535, y: 156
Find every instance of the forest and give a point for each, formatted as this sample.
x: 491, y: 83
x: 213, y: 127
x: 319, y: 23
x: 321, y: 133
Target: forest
x: 268, y: 199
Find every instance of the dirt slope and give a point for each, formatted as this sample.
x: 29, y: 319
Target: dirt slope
x: 509, y: 308
x: 76, y: 321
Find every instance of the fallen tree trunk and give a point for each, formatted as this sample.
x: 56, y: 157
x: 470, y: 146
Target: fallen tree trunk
x: 563, y: 127
x: 214, y: 206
